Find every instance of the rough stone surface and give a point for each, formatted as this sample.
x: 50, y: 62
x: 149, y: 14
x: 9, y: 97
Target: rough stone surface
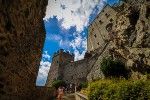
x: 132, y: 42
x: 22, y: 37
x: 76, y: 72
x: 60, y: 59
x: 100, y: 28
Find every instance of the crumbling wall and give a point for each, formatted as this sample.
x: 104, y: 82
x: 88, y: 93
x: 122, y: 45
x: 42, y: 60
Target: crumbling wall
x: 22, y: 37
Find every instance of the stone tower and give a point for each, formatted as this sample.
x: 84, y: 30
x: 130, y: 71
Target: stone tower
x: 59, y: 59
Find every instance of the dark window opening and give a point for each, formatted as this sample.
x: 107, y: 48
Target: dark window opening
x: 107, y: 15
x: 111, y: 20
x: 100, y: 22
x: 98, y: 43
x: 147, y: 12
x: 133, y: 17
x: 95, y: 35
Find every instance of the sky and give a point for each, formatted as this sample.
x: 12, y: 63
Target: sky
x: 66, y: 24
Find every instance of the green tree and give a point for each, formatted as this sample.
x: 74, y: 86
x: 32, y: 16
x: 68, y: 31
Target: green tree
x: 58, y: 83
x: 111, y: 68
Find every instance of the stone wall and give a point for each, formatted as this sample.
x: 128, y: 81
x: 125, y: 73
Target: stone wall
x: 22, y: 37
x: 76, y: 72
x: 53, y: 72
x: 95, y: 72
x: 43, y: 93
x: 100, y: 28
x: 60, y: 59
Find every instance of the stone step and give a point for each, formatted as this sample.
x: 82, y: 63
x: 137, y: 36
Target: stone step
x: 69, y: 97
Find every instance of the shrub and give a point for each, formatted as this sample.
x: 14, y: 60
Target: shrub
x: 119, y: 90
x: 112, y: 68
x: 58, y: 83
x: 84, y: 85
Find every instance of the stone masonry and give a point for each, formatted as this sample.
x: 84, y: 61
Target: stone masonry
x: 22, y: 36
x: 57, y: 70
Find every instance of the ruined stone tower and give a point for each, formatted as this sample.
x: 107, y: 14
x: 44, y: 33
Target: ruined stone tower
x: 59, y: 59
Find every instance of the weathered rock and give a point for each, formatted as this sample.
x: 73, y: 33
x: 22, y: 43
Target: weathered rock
x: 133, y: 32
x: 22, y: 36
x: 130, y: 38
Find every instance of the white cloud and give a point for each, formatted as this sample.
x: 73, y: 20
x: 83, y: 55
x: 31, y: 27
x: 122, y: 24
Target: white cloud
x: 74, y: 12
x: 79, y: 43
x: 64, y: 43
x: 79, y: 56
x: 43, y: 69
x: 55, y: 37
x: 45, y: 55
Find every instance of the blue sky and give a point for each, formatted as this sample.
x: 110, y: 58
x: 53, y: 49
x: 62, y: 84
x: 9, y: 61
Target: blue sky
x: 66, y: 25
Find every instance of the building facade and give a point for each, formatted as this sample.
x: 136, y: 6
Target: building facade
x: 100, y: 28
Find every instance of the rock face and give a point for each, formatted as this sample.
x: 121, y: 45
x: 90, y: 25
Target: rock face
x: 22, y: 37
x: 133, y: 36
x: 129, y: 37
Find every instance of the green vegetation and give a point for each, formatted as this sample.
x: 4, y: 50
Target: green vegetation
x: 83, y: 85
x: 58, y: 83
x: 113, y: 68
x: 118, y: 90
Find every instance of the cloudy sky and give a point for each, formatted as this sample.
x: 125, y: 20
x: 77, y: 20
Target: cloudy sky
x: 66, y: 23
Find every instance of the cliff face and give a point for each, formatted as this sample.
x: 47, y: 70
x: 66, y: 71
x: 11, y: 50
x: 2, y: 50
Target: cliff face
x: 132, y: 41
x: 22, y: 37
x: 129, y: 34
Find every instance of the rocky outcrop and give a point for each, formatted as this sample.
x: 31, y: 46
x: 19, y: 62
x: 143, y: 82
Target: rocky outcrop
x: 129, y: 38
x: 132, y: 41
x: 22, y: 36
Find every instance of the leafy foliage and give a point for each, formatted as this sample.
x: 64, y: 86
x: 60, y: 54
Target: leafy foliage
x: 119, y: 90
x: 112, y: 68
x: 84, y: 85
x: 58, y: 83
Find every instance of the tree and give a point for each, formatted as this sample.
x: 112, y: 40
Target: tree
x: 112, y: 68
x: 58, y: 83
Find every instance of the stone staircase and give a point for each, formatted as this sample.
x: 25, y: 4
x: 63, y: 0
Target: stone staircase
x: 69, y: 97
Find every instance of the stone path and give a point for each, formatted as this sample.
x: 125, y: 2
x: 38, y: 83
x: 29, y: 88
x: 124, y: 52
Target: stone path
x: 69, y: 97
